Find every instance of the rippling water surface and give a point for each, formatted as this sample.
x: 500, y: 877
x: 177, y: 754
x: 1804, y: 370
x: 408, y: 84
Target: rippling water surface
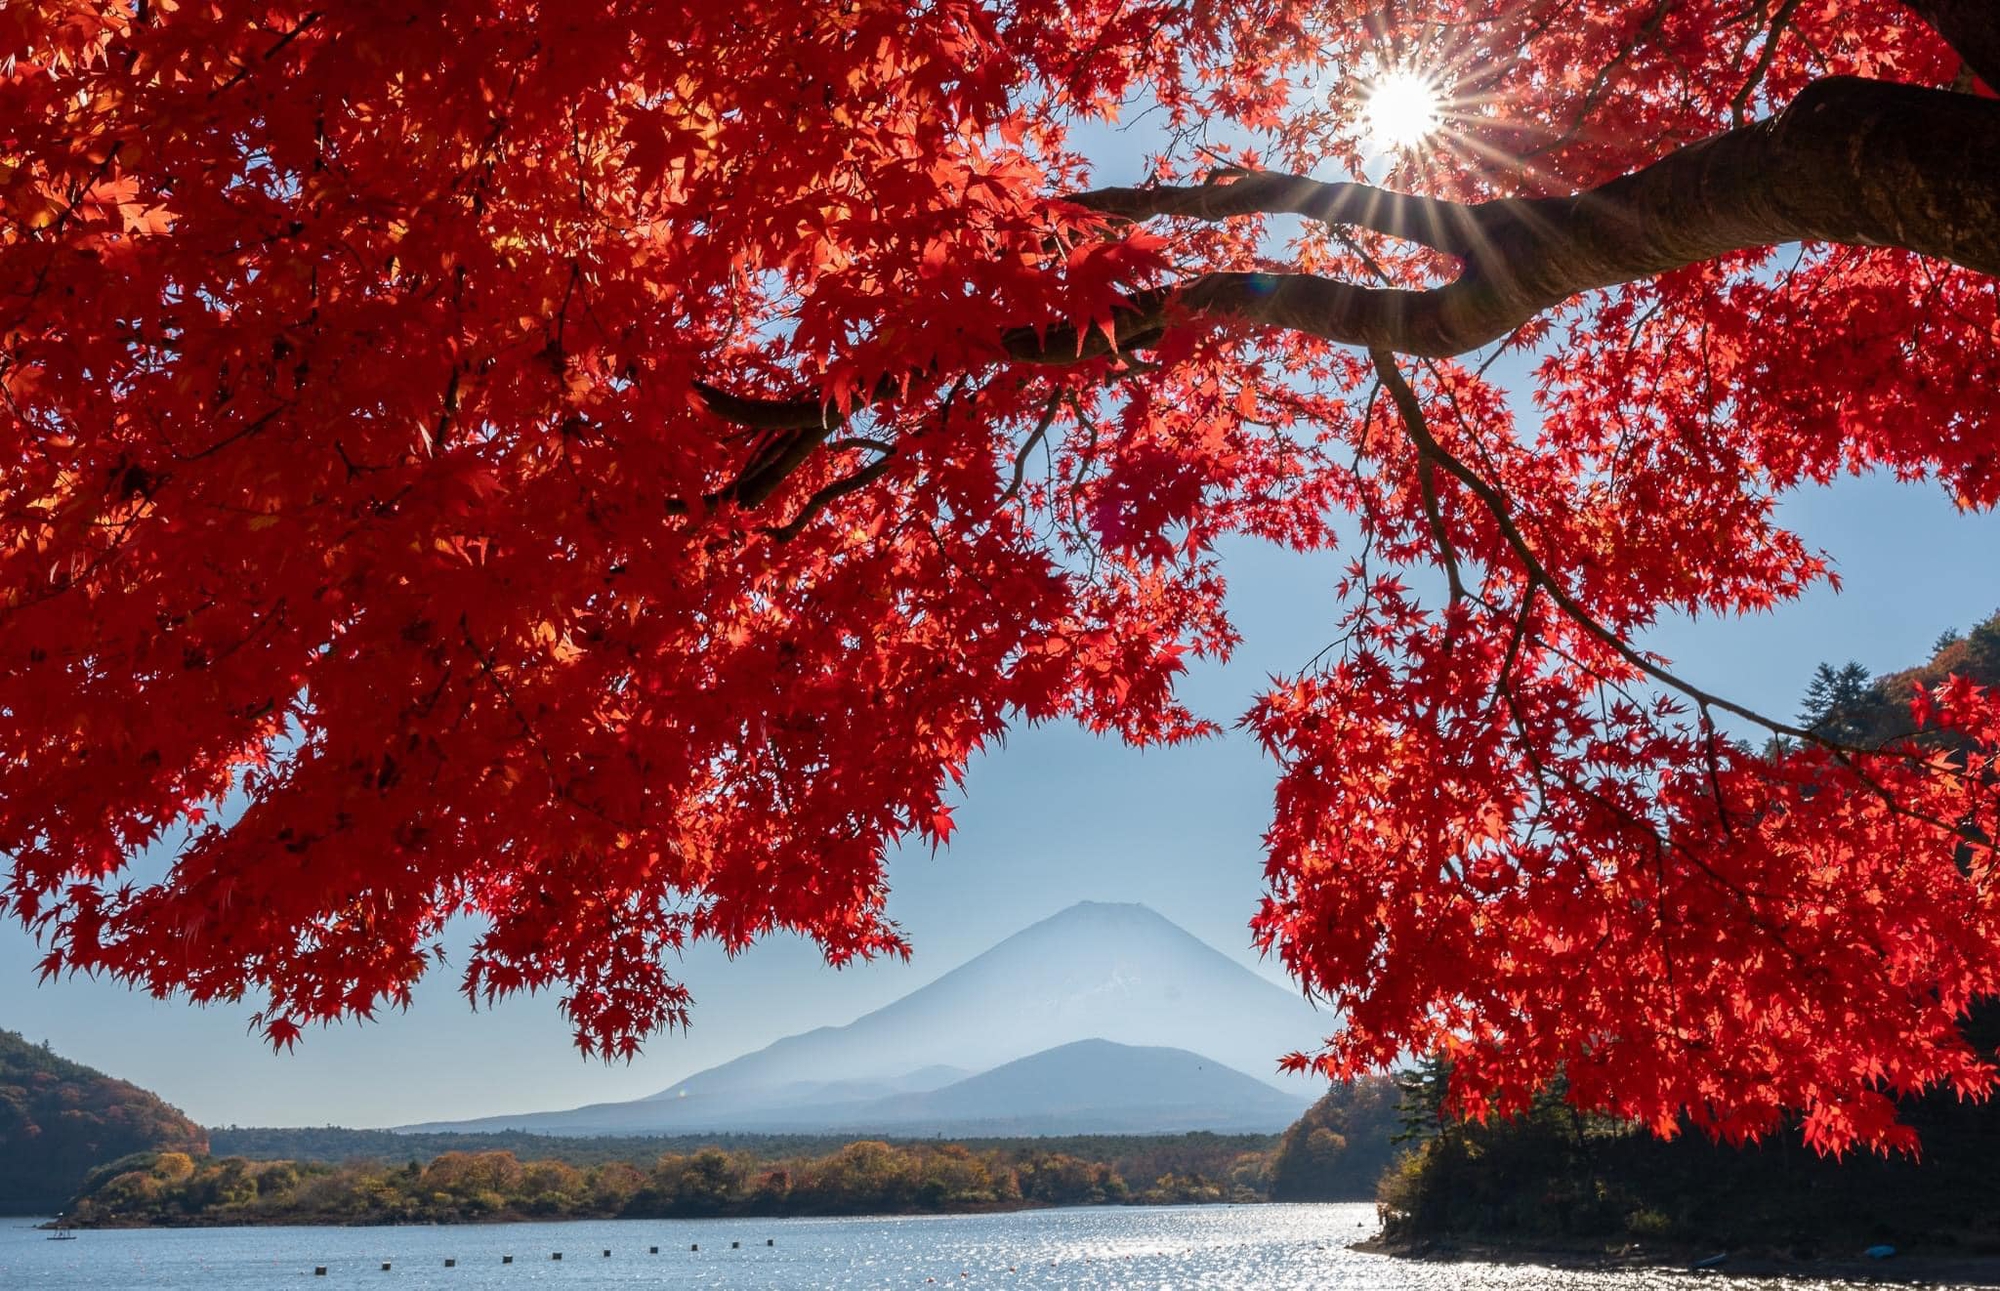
x: 1103, y: 1247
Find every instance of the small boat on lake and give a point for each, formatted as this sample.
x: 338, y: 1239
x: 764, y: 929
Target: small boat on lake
x: 63, y: 1235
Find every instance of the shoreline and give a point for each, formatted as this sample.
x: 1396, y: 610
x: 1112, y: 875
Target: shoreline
x: 487, y: 1221
x: 1923, y: 1268
x: 195, y: 1221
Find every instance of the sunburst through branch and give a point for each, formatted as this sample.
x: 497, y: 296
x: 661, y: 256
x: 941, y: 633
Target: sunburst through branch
x: 1403, y: 108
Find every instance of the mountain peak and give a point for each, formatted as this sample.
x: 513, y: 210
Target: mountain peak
x: 1106, y: 911
x: 1124, y: 916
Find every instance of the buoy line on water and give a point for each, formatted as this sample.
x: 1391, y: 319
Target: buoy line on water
x: 451, y: 1262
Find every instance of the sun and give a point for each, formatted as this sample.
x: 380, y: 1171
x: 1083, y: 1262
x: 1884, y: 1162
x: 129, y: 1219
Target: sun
x: 1402, y: 108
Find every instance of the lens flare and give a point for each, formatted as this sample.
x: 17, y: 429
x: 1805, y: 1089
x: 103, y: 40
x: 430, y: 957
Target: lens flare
x: 1403, y: 108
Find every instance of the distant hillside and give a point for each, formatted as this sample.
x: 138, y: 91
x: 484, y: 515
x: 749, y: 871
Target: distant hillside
x: 1094, y: 971
x: 1140, y: 1157
x: 329, y: 1144
x: 59, y: 1119
x: 1091, y: 1086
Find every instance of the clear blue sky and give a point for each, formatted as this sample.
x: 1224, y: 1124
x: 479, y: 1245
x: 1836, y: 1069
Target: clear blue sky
x: 1055, y: 817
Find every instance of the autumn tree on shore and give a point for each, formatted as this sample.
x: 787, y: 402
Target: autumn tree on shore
x: 604, y: 468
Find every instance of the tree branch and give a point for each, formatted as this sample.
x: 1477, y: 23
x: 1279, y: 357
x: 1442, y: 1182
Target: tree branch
x: 763, y: 414
x: 1433, y: 222
x: 1970, y: 27
x: 840, y: 488
x: 1850, y: 161
x: 1412, y: 412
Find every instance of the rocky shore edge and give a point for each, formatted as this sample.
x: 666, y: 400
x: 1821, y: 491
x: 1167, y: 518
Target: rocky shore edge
x: 1924, y: 1268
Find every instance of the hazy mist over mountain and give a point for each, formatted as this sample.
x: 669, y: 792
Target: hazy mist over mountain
x: 1094, y: 972
x: 1091, y: 1087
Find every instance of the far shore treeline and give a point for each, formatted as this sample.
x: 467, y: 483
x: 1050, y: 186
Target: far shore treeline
x: 866, y: 1177
x: 336, y: 1176
x: 337, y: 1145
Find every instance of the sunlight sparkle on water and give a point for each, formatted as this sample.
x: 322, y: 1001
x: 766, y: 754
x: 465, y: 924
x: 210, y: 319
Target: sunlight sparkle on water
x: 1403, y: 108
x: 1102, y: 1248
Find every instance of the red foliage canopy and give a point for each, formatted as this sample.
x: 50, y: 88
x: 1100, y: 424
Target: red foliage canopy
x: 604, y: 467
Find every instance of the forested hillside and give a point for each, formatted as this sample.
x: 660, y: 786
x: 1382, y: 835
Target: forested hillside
x: 1338, y: 1150
x: 1555, y: 1175
x: 59, y: 1119
x: 1846, y: 703
x: 1557, y: 1178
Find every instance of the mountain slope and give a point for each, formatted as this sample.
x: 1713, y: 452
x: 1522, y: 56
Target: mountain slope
x: 59, y: 1119
x: 1092, y: 972
x: 1089, y: 1087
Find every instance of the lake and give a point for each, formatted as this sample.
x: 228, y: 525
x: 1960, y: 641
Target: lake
x: 1276, y: 1246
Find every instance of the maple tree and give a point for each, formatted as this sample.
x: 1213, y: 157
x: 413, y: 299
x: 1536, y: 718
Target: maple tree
x: 602, y: 469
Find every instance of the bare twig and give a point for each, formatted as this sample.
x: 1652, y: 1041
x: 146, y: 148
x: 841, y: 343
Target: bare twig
x: 1412, y: 411
x: 1028, y: 445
